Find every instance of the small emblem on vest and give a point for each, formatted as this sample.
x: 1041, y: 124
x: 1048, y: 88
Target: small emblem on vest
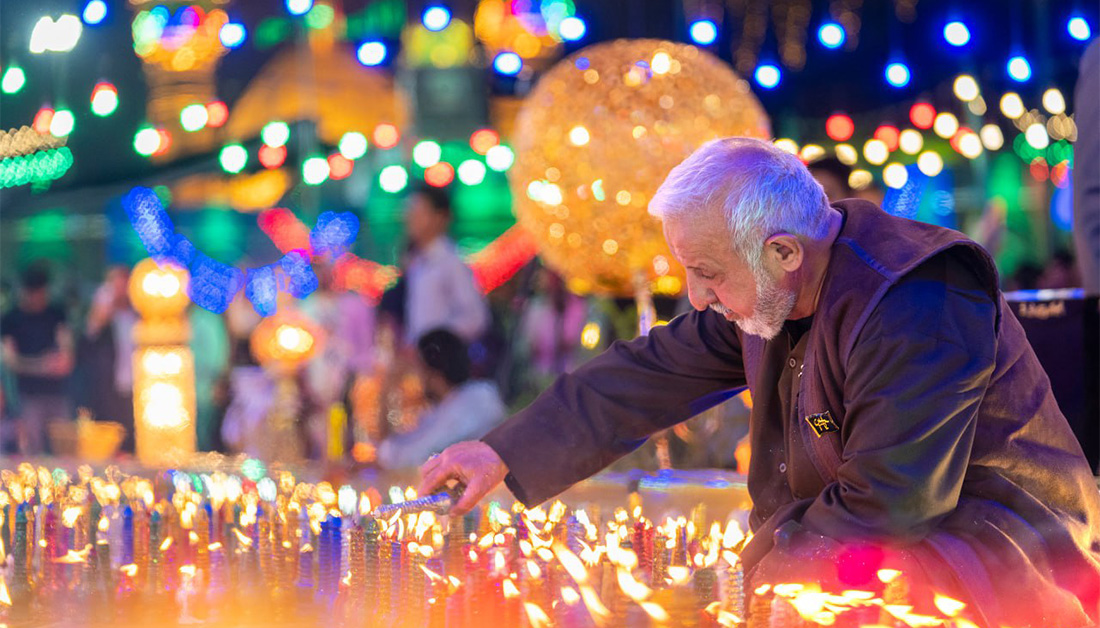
x: 822, y: 423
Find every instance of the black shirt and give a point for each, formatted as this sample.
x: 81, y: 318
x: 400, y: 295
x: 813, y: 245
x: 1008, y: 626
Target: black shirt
x: 35, y: 334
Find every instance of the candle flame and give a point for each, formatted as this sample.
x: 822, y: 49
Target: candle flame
x: 727, y: 619
x: 455, y: 582
x: 365, y: 507
x: 70, y: 515
x: 104, y: 524
x: 635, y: 590
x: 679, y: 574
x: 570, y: 596
x: 762, y: 589
x: 166, y: 544
x: 191, y: 536
x: 216, y: 546
x: 949, y: 606
x: 41, y: 542
x: 305, y: 548
x: 535, y: 616
x: 130, y: 570
x: 242, y: 538
x: 188, y: 570
x: 346, y: 581
x: 433, y: 576
x: 655, y: 611
x: 73, y: 557
x: 888, y: 575
x: 963, y: 623
x: 533, y: 570
x: 499, y: 562
x: 486, y: 541
x: 509, y: 589
x: 809, y: 602
x: 5, y: 598
x: 545, y: 554
x: 733, y: 535
x: 571, y: 563
x: 595, y: 607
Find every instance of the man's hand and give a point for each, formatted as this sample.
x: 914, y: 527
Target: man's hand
x: 472, y: 463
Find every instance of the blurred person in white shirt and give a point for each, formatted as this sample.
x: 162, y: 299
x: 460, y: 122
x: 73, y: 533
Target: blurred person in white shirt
x: 461, y: 408
x: 441, y: 291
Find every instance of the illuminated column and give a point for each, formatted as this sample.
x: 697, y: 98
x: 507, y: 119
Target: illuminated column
x: 281, y: 344
x: 164, y: 368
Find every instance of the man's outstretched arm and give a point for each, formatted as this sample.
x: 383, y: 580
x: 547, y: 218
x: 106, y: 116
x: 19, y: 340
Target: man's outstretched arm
x: 599, y: 413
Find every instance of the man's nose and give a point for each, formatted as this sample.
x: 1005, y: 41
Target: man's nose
x: 699, y: 297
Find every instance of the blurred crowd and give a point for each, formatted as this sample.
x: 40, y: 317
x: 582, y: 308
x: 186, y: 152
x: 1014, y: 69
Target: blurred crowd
x: 433, y: 362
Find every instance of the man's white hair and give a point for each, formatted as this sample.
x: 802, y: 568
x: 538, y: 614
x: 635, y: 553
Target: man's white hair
x: 761, y: 190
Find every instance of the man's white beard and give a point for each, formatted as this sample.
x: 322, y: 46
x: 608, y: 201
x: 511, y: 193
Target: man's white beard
x: 773, y: 305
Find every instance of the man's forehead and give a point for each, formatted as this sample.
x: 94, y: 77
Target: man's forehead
x: 691, y: 238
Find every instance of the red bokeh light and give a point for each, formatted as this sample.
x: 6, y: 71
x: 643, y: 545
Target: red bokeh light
x: 165, y: 142
x: 1039, y: 169
x: 42, y: 120
x: 888, y: 134
x: 484, y: 139
x: 922, y: 115
x: 217, y: 113
x: 839, y: 127
x: 386, y: 136
x: 440, y: 174
x: 1059, y: 174
x: 103, y: 86
x: 272, y: 156
x: 339, y: 166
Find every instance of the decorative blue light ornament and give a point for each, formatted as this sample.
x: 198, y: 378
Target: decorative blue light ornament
x: 214, y: 284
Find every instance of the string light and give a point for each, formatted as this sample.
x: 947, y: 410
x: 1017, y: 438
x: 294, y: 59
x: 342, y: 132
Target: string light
x: 371, y: 53
x: 59, y: 36
x: 104, y: 99
x: 930, y: 163
x: 440, y: 174
x: 966, y: 88
x: 897, y: 74
x: 42, y: 120
x: 831, y: 35
x: 471, y: 172
x: 508, y: 63
x: 232, y: 34
x: 895, y: 176
x: 811, y: 153
x: 1078, y: 28
x: 13, y: 80
x: 427, y: 153
x: 847, y: 154
x: 1036, y: 135
x: 572, y: 28
x: 272, y: 156
x: 315, y: 170
x: 62, y: 122
x: 393, y: 178
x: 970, y: 145
x: 146, y: 141
x: 889, y: 135
x: 275, y: 133
x: 578, y: 136
x: 233, y: 158
x: 992, y: 137
x: 94, y: 12
x: 299, y: 7
x: 353, y: 145
x: 768, y: 76
x: 1053, y: 101
x: 946, y: 125
x: 875, y: 152
x: 703, y: 32
x: 436, y: 18
x: 910, y: 141
x: 1012, y: 106
x: 922, y: 115
x: 217, y: 113
x: 1019, y: 68
x: 386, y: 136
x: 500, y: 158
x: 37, y: 167
x: 484, y: 139
x: 194, y: 117
x: 860, y: 179
x: 839, y: 127
x: 956, y: 33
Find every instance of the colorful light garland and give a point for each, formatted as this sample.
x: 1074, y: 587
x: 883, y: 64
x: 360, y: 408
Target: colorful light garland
x: 38, y: 167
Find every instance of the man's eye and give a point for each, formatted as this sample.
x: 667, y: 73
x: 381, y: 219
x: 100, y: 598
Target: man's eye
x: 704, y: 276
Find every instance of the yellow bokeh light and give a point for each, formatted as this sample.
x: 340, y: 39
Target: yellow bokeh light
x: 578, y: 136
x: 590, y: 336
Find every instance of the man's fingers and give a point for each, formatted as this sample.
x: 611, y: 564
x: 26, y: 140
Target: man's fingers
x: 434, y: 478
x: 472, y: 495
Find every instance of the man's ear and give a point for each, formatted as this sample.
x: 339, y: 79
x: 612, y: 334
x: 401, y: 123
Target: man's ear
x: 785, y: 250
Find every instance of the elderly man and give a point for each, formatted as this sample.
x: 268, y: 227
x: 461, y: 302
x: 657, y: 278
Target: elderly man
x: 900, y: 417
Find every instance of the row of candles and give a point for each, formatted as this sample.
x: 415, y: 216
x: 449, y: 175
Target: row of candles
x: 221, y: 549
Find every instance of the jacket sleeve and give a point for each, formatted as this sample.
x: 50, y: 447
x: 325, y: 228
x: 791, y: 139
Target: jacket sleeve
x: 915, y: 380
x: 609, y: 406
